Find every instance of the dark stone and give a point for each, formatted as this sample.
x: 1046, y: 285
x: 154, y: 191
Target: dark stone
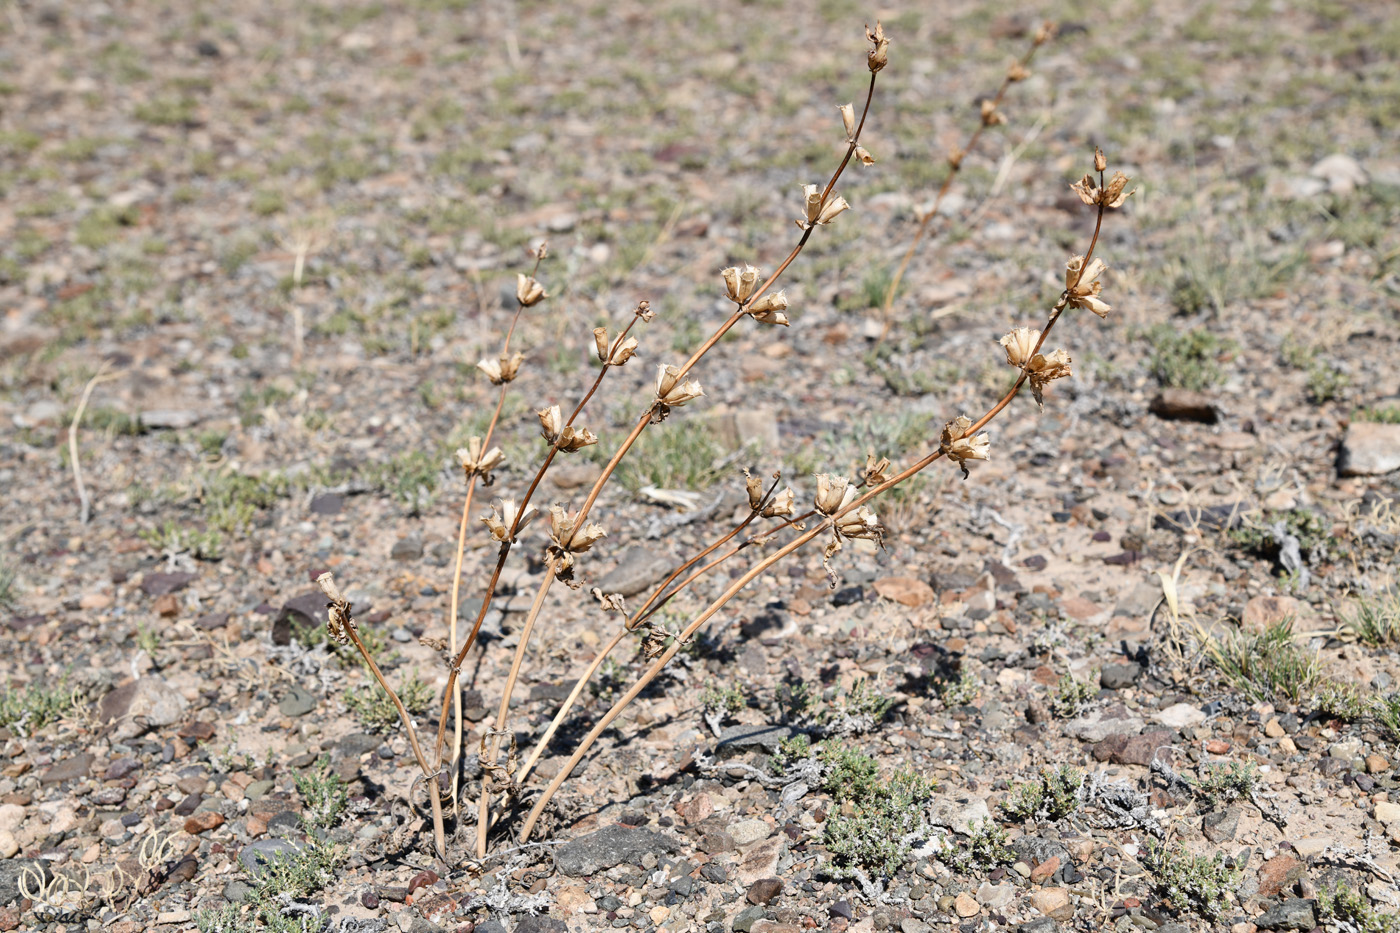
x: 1118, y: 676
x: 490, y: 926
x: 356, y: 744
x: 1124, y: 749
x: 409, y: 547
x: 638, y: 569
x: 1034, y: 850
x: 307, y: 610
x: 159, y: 584
x: 1221, y: 825
x: 327, y: 503
x: 296, y: 702
x: 714, y: 873
x: 558, y: 691
x: 747, y: 918
x: 764, y: 890
x: 189, y: 804
x: 1184, y: 405
x: 847, y: 596
x: 206, y: 49
x: 540, y: 924
x: 68, y: 769
x: 1292, y: 914
x: 1036, y: 563
x: 10, y: 871
x: 236, y: 892
x: 1039, y: 925
x: 841, y: 908
x: 211, y: 620
x: 609, y: 847
x: 735, y: 740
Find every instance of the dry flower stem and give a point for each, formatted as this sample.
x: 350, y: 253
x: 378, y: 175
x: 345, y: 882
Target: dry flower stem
x: 757, y: 570
x: 84, y: 501
x: 954, y: 166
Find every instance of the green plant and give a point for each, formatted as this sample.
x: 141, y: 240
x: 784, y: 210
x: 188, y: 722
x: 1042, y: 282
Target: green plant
x: 147, y: 639
x: 1376, y: 620
x: 962, y: 691
x: 673, y: 460
x: 411, y: 478
x: 1190, y: 883
x: 1072, y: 696
x: 1342, y: 908
x: 1265, y: 665
x: 31, y: 708
x: 7, y: 586
x: 1380, y: 414
x: 869, y: 832
x: 984, y: 849
x: 1261, y: 536
x: 1387, y: 713
x: 1325, y: 382
x: 171, y: 538
x: 376, y: 711
x: 270, y: 905
x: 721, y: 702
x: 323, y: 795
x: 1053, y: 797
x: 1226, y: 783
x: 1342, y: 701
x: 1189, y: 360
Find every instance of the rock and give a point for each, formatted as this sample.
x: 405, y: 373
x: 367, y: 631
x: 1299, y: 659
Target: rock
x: 169, y: 419
x: 11, y: 816
x: 1180, y: 716
x: 1053, y: 902
x: 1387, y: 812
x: 68, y: 769
x: 1183, y: 405
x: 539, y: 924
x: 161, y: 584
x: 1342, y: 173
x: 958, y: 813
x: 747, y: 832
x: 1221, y: 825
x: 907, y: 591
x: 1124, y: 749
x: 764, y: 890
x: 1375, y: 764
x: 914, y: 925
x: 695, y: 809
x: 10, y: 871
x: 966, y: 905
x: 748, y: 426
x: 255, y: 856
x: 1043, y: 872
x: 1039, y: 925
x: 296, y: 702
x: 735, y: 740
x: 611, y: 846
x: 638, y: 569
x: 760, y: 860
x: 743, y: 923
x: 147, y: 703
x: 1277, y: 874
x: 9, y: 846
x: 1096, y: 727
x: 1309, y: 846
x: 1293, y: 914
x: 995, y: 896
x: 203, y: 822
x: 1369, y: 449
x: 327, y: 503
x: 409, y: 547
x: 1264, y: 611
x: 1119, y: 675
x: 1274, y: 729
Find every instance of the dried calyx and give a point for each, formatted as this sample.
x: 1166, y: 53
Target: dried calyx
x: 503, y: 369
x: 565, y: 437
x: 959, y: 447
x: 475, y: 461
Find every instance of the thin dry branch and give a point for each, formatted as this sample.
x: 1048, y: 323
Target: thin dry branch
x: 84, y: 501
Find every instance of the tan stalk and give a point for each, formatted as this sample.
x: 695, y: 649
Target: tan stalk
x: 762, y: 566
x: 84, y: 501
x: 954, y: 166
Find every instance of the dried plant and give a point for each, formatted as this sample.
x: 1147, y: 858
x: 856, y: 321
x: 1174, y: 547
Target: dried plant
x: 840, y: 510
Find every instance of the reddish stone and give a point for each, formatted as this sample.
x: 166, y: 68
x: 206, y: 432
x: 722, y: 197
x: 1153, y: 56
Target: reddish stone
x: 1278, y: 873
x: 695, y: 809
x: 203, y: 822
x: 1123, y: 749
x: 167, y: 606
x: 907, y: 591
x: 1217, y: 747
x: 1042, y: 872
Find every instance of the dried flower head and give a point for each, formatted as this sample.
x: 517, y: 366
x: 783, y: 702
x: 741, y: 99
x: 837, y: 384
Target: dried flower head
x: 1100, y: 160
x: 503, y: 369
x: 1020, y: 344
x: 739, y: 283
x: 1082, y: 287
x: 1042, y: 369
x: 539, y: 253
x: 671, y: 392
x: 644, y: 311
x: 819, y: 213
x: 566, y: 537
x: 619, y: 351
x: 959, y: 448
x: 753, y: 486
x: 527, y: 291
x: 477, y: 462
x: 502, y: 522
x: 832, y: 493
x: 1017, y: 72
x: 874, y: 472
x: 1046, y: 32
x: 340, y: 623
x: 955, y: 157
x: 848, y: 120
x: 879, y: 55
x: 1111, y: 195
x: 860, y: 523
x: 769, y: 309
x: 991, y: 116
x: 864, y: 156
x: 781, y: 504
x: 610, y: 602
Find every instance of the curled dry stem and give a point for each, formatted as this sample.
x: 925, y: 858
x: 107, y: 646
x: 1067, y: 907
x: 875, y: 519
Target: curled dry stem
x: 784, y: 551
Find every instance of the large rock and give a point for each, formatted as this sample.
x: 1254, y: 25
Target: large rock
x: 10, y: 871
x: 1369, y: 449
x: 1292, y: 914
x: 609, y: 847
x: 1124, y: 749
x: 148, y: 703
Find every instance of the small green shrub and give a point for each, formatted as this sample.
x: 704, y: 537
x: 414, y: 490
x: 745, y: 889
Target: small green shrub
x: 1226, y: 783
x: 1342, y: 701
x: 1266, y: 665
x: 1383, y: 414
x: 1071, y: 697
x: 721, y: 702
x: 375, y: 711
x: 323, y: 796
x: 280, y: 879
x: 1053, y: 797
x: 1349, y: 910
x: 960, y: 692
x: 1188, y: 360
x: 1313, y: 531
x: 869, y: 831
x: 29, y: 709
x: 984, y: 849
x: 1188, y: 883
x: 1325, y: 383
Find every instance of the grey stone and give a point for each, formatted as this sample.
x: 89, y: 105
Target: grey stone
x: 608, y: 847
x: 1119, y: 675
x: 540, y: 924
x: 144, y: 704
x: 1034, y: 850
x: 68, y: 769
x: 959, y: 813
x: 357, y: 744
x: 236, y: 892
x: 637, y: 571
x: 1039, y: 925
x: 913, y: 925
x: 747, y: 832
x: 255, y: 856
x: 1221, y: 825
x: 1096, y: 727
x: 409, y: 547
x: 747, y: 917
x: 734, y: 740
x: 1292, y: 914
x: 159, y: 584
x: 258, y: 789
x: 1369, y: 449
x: 170, y: 419
x: 296, y: 702
x: 10, y: 871
x: 306, y: 610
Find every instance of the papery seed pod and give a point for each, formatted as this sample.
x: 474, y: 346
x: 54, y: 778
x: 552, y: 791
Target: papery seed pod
x: 622, y: 350
x: 672, y: 393
x: 502, y: 369
x: 1113, y: 194
x: 1082, y: 289
x: 874, y: 473
x: 812, y: 198
x: 1046, y: 32
x: 1017, y: 72
x: 864, y: 156
x: 572, y: 439
x: 831, y: 209
x: 502, y: 520
x: 1100, y: 161
x: 1020, y: 344
x: 958, y: 447
x: 768, y: 309
x: 831, y: 489
x: 1042, y: 370
x: 753, y: 485
x: 340, y: 623
x: 476, y: 462
x: 860, y: 523
x: 600, y: 340
x: 551, y: 422
x: 610, y: 602
x: 955, y: 157
x: 878, y: 56
x: 784, y: 503
x: 731, y: 282
x: 848, y: 119
x: 991, y: 116
x: 527, y: 291
x: 644, y: 311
